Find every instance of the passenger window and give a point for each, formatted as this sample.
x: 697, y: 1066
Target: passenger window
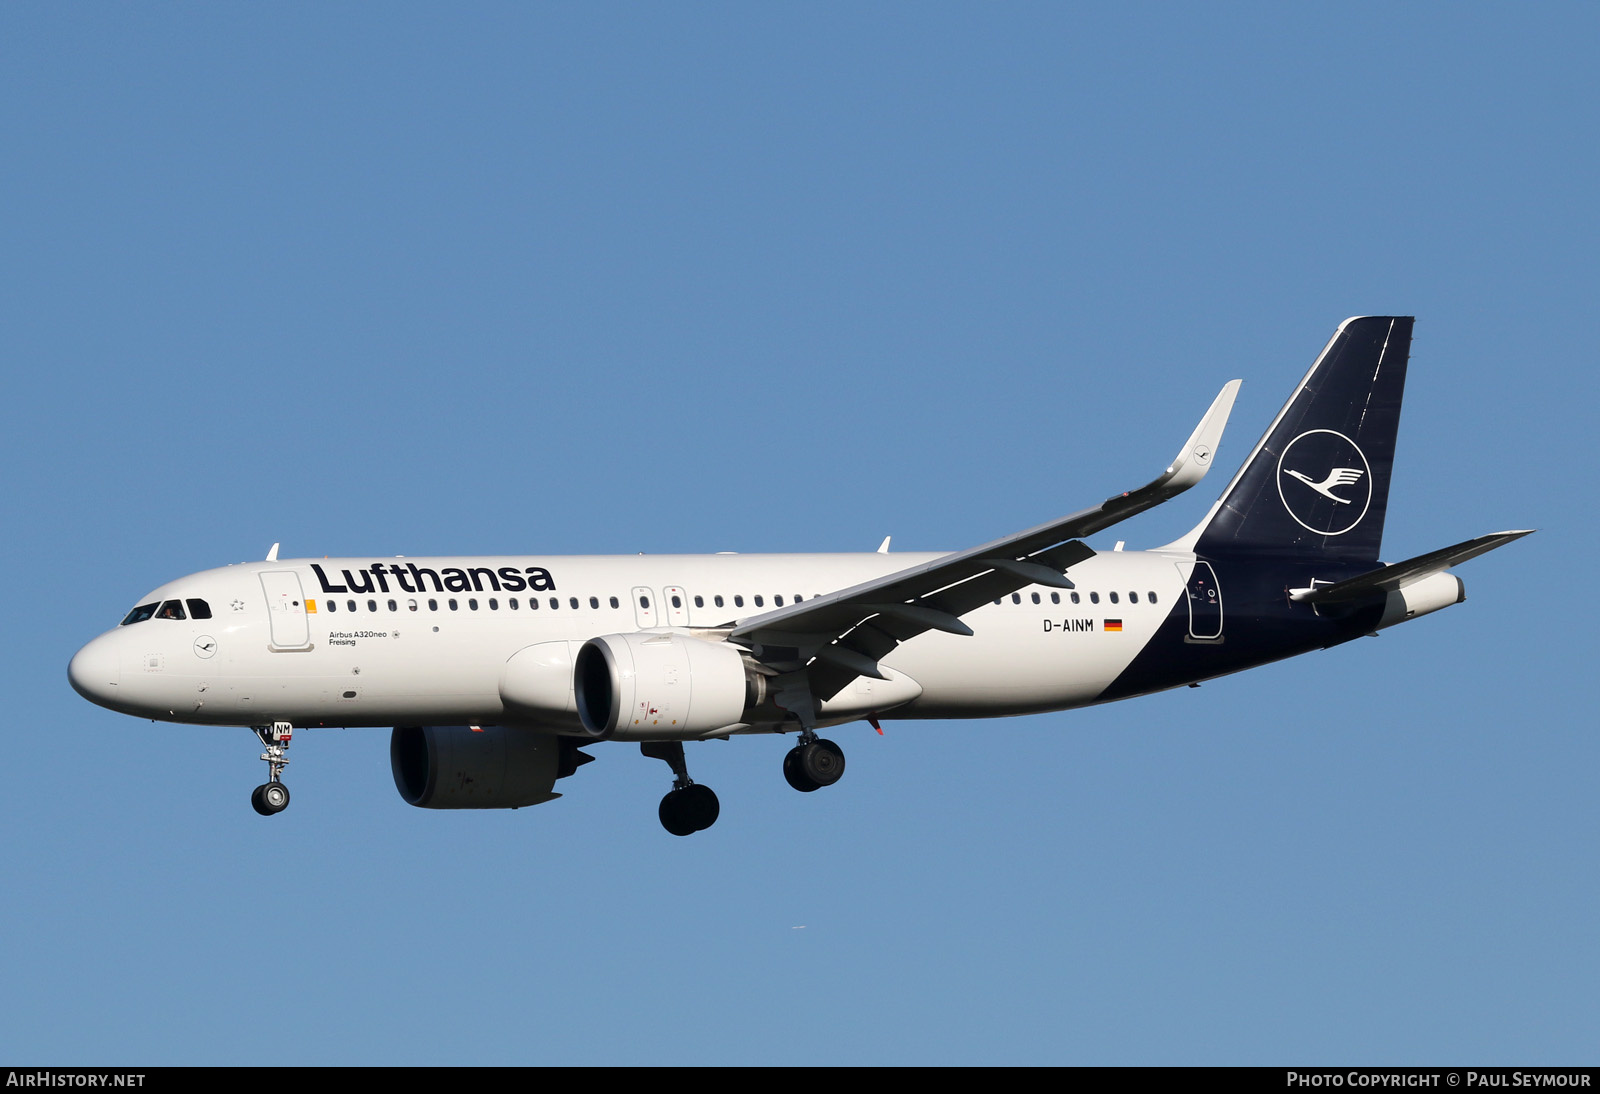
x: 759, y: 602
x: 140, y: 614
x: 1151, y: 596
x: 393, y: 606
x: 1113, y: 598
x: 433, y: 605
x: 614, y: 603
x: 350, y: 605
x: 533, y: 603
x: 199, y: 609
x: 1094, y: 598
x: 677, y: 601
x: 472, y: 603
x: 1016, y: 598
x: 171, y: 609
x: 738, y: 600
x: 594, y: 602
x: 1036, y: 598
x: 372, y: 605
x: 644, y: 602
x: 1133, y: 598
x: 333, y: 605
x: 699, y: 601
x: 494, y: 605
x: 453, y: 605
x: 511, y: 602
x: 797, y: 598
x: 778, y: 600
x: 997, y: 603
x: 1055, y: 598
x: 572, y: 602
x: 717, y: 600
x: 554, y: 603
x: 1075, y: 598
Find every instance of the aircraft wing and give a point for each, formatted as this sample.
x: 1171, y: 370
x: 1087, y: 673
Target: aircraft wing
x: 1399, y: 574
x: 843, y: 634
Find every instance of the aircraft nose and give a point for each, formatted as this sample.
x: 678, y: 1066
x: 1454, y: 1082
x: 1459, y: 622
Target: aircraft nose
x: 96, y: 671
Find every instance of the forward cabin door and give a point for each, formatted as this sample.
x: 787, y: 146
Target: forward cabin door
x: 286, y: 610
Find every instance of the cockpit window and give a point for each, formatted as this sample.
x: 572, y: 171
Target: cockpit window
x: 140, y: 614
x: 171, y: 609
x: 198, y: 609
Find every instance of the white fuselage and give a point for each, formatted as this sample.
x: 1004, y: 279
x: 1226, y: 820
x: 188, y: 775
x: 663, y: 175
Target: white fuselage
x: 331, y: 642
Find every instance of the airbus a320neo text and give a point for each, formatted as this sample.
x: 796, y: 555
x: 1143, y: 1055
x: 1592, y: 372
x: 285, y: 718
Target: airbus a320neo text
x: 495, y: 673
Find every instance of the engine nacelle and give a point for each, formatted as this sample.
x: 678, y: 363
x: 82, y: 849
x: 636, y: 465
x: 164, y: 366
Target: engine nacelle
x: 536, y: 682
x: 458, y: 767
x: 654, y: 685
x: 1421, y: 597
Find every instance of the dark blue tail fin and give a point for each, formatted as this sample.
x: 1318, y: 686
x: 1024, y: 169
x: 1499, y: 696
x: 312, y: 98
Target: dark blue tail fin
x: 1318, y: 482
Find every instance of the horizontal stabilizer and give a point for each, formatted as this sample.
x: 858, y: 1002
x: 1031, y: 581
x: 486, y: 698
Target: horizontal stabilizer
x: 1401, y: 574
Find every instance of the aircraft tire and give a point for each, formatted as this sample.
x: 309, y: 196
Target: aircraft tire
x: 700, y: 805
x: 794, y: 771
x: 675, y: 815
x: 270, y: 799
x: 823, y: 762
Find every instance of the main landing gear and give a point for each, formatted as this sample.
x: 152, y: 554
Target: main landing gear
x: 688, y: 807
x: 813, y: 763
x: 272, y: 796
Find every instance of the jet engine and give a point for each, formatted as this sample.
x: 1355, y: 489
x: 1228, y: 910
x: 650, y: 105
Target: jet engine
x: 655, y: 686
x: 463, y: 767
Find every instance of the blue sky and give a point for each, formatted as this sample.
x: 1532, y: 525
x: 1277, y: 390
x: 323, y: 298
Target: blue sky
x: 557, y: 279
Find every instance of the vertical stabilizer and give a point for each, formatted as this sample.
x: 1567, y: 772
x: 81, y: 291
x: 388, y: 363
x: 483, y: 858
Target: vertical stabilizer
x: 1318, y: 482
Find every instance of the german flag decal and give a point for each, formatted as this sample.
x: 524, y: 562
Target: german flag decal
x: 1112, y: 626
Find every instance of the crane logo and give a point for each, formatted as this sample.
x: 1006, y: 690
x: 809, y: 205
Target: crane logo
x: 1325, y: 482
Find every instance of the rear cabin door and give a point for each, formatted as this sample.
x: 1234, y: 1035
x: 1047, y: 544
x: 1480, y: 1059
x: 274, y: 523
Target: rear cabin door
x: 1205, y: 603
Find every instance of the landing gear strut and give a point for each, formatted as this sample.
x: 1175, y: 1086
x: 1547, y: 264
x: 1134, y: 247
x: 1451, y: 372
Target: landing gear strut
x: 272, y: 796
x: 688, y: 807
x: 813, y: 763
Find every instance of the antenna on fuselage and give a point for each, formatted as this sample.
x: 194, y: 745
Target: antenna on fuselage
x: 883, y: 548
x: 272, y: 555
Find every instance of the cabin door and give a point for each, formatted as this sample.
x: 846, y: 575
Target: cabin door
x: 1205, y: 603
x: 286, y: 610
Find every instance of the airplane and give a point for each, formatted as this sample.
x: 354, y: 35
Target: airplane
x: 495, y: 672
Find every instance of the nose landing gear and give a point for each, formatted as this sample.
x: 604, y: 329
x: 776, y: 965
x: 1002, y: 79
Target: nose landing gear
x: 272, y: 796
